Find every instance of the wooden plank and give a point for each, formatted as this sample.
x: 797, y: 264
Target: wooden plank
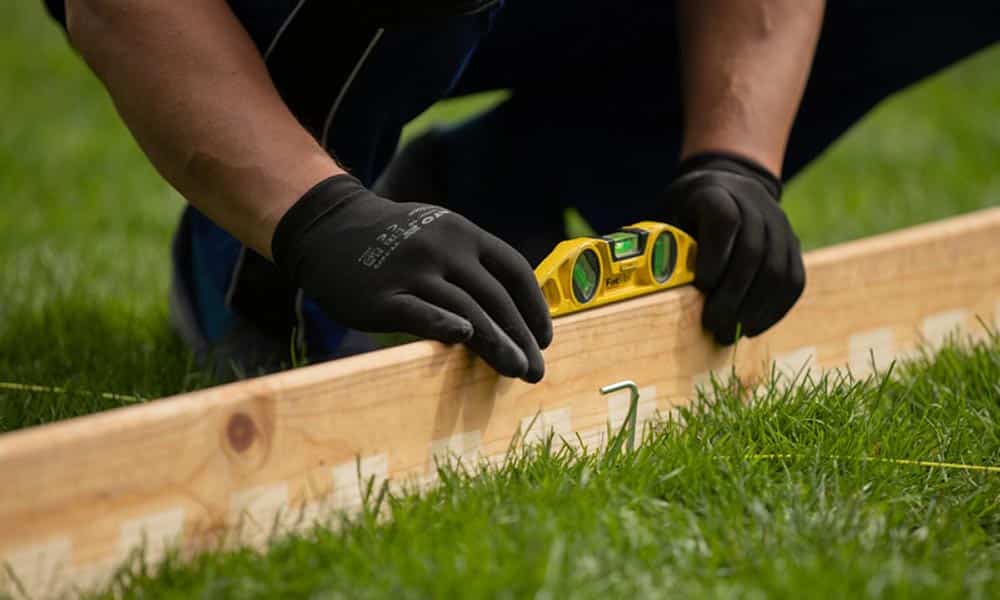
x: 82, y: 493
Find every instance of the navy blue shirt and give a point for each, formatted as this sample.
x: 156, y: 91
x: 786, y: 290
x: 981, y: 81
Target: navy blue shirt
x: 57, y: 8
x: 389, y: 11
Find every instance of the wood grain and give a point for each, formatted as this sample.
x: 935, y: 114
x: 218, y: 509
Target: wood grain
x: 221, y: 463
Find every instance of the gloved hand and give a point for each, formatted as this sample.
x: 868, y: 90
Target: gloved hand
x: 381, y: 266
x: 749, y: 262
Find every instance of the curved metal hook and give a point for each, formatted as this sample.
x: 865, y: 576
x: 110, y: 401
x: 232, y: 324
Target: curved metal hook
x: 633, y: 406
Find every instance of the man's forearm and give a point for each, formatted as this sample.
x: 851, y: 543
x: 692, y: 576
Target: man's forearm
x: 745, y: 65
x: 192, y: 88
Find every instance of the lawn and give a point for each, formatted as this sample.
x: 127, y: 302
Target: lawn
x: 83, y: 274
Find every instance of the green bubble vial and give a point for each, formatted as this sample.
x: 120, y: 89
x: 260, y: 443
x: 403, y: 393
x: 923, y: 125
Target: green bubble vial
x: 664, y: 251
x: 624, y: 244
x: 586, y: 271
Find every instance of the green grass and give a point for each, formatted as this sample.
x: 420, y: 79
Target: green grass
x: 83, y: 275
x: 696, y: 511
x: 84, y: 251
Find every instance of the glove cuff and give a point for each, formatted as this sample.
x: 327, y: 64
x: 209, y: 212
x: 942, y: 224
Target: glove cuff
x: 315, y: 204
x: 732, y: 163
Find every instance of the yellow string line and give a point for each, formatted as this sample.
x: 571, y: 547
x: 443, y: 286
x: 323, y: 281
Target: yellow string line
x: 895, y: 461
x: 26, y: 387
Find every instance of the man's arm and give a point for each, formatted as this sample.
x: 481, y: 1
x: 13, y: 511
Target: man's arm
x: 192, y: 88
x: 745, y: 65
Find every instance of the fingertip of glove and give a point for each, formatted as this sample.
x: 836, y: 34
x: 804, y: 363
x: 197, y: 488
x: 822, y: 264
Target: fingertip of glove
x: 461, y: 332
x: 509, y: 362
x: 726, y: 337
x: 534, y: 375
x: 545, y: 339
x: 723, y: 340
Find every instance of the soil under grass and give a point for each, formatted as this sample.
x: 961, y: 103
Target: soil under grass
x: 794, y: 495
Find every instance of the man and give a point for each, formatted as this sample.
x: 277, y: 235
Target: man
x: 690, y: 111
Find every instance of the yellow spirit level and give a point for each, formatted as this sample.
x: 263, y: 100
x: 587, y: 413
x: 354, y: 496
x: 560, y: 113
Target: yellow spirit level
x: 646, y: 257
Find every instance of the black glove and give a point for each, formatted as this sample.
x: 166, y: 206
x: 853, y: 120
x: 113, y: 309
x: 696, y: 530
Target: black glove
x: 381, y: 266
x: 749, y: 262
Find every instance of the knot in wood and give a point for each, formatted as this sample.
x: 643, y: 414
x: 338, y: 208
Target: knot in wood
x: 241, y: 431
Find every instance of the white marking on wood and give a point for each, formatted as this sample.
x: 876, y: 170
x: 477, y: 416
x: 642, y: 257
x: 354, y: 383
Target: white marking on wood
x: 427, y: 482
x: 555, y: 421
x: 495, y: 460
x: 872, y: 348
x: 40, y: 568
x: 702, y: 382
x: 257, y: 512
x: 593, y: 439
x: 462, y: 446
x: 413, y: 482
x: 797, y: 365
x: 673, y: 415
x: 938, y: 327
x: 92, y: 575
x: 310, y: 513
x: 154, y: 533
x: 348, y: 487
x: 618, y: 405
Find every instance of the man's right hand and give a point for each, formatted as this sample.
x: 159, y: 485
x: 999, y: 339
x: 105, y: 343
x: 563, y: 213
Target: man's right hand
x: 382, y: 266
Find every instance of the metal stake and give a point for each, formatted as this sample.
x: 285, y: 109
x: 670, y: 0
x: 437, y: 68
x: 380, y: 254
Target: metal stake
x: 633, y: 406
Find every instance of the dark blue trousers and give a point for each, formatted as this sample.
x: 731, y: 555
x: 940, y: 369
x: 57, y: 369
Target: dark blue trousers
x: 594, y: 116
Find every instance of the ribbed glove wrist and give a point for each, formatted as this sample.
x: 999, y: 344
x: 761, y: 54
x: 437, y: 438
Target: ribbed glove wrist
x: 731, y: 163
